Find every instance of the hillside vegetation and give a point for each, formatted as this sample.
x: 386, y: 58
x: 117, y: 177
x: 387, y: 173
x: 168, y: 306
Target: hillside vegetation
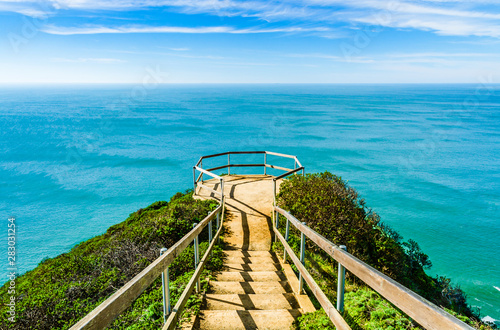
x: 62, y: 290
x: 332, y: 208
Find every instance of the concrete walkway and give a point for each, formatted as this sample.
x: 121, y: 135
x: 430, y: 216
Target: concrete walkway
x: 255, y: 290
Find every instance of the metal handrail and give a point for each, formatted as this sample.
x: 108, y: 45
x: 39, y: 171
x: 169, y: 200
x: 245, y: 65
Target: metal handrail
x: 199, y: 167
x: 418, y: 308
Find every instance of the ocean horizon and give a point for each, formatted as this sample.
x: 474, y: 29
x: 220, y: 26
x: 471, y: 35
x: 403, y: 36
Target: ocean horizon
x: 425, y: 157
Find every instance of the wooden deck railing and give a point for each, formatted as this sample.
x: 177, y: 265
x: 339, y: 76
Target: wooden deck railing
x: 416, y: 307
x: 111, y: 308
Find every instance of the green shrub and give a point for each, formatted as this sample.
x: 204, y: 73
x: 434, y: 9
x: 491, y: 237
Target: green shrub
x: 332, y: 208
x: 62, y: 290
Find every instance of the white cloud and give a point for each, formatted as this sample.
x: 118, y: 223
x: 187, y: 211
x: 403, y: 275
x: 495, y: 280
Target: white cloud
x: 417, y: 59
x: 89, y: 60
x: 179, y: 49
x: 443, y: 17
x: 97, y: 29
x: 28, y: 8
x: 334, y: 58
x: 446, y: 55
x: 451, y: 18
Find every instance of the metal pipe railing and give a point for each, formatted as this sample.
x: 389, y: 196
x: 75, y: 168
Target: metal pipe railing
x: 229, y: 165
x: 265, y: 165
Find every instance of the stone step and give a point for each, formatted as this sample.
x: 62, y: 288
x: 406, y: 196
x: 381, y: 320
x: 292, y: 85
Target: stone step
x: 260, y: 276
x: 250, y: 301
x: 251, y: 260
x: 253, y: 319
x: 243, y: 253
x: 252, y: 267
x: 250, y: 287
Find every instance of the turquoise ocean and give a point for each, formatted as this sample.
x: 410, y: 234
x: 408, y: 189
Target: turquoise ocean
x: 77, y: 159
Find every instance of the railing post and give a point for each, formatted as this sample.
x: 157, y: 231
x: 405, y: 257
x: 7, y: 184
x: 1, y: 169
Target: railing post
x: 194, y: 180
x: 341, y: 284
x: 303, y: 171
x: 302, y: 257
x: 217, y: 226
x: 210, y: 231
x: 196, y: 258
x: 228, y: 163
x: 165, y: 284
x: 201, y: 166
x: 277, y: 220
x: 286, y: 237
x: 275, y: 213
x: 222, y: 190
x: 274, y: 192
x: 265, y: 164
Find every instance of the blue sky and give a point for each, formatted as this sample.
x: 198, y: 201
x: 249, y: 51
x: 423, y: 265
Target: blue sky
x: 228, y: 41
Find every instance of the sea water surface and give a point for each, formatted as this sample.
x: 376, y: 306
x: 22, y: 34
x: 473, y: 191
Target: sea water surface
x: 77, y: 159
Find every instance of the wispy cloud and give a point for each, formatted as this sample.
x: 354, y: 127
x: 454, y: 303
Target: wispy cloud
x: 452, y: 18
x: 89, y: 60
x: 97, y: 29
x: 445, y: 55
x: 443, y: 17
x: 179, y: 49
x: 41, y: 9
x: 334, y: 58
x: 445, y: 59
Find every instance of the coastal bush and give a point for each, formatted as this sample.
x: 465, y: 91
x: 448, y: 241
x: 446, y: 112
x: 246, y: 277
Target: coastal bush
x: 332, y: 208
x: 364, y: 308
x: 62, y: 290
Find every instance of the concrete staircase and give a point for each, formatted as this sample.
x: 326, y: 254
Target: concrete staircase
x: 255, y: 290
